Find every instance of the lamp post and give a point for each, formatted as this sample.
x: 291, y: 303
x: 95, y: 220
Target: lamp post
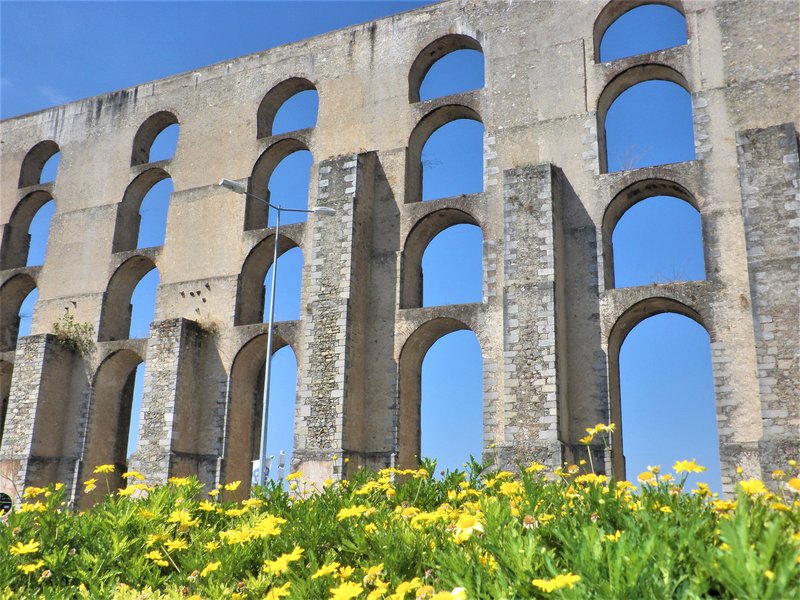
x: 239, y: 188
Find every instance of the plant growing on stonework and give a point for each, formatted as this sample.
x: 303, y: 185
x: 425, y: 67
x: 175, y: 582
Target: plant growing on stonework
x: 75, y: 336
x: 209, y: 325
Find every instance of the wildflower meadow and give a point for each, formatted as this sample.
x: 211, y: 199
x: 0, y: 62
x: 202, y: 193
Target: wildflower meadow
x: 411, y: 534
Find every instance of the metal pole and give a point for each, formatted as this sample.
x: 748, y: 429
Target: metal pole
x: 262, y: 457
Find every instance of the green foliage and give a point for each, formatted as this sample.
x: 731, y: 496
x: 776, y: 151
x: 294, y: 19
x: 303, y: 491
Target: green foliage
x: 74, y: 336
x: 404, y: 534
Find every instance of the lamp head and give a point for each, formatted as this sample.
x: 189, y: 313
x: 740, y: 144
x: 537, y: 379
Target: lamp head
x: 233, y: 186
x: 324, y: 210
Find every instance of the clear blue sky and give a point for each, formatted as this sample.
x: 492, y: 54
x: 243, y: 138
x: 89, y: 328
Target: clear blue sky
x: 82, y: 49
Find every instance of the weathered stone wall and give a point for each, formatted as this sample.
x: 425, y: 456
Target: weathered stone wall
x: 532, y: 229
x: 551, y: 321
x: 327, y: 337
x: 769, y: 171
x: 41, y: 440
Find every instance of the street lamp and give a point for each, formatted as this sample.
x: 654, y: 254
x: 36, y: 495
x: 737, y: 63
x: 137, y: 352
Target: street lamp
x: 239, y: 188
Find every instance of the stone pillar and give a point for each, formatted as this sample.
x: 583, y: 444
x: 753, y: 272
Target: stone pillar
x: 371, y: 385
x: 180, y: 427
x: 330, y: 415
x: 769, y: 174
x: 40, y: 441
x: 533, y: 234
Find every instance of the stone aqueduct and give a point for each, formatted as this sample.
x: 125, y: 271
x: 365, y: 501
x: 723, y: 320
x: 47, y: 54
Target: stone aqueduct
x: 551, y: 322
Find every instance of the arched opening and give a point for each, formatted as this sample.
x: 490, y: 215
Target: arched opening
x: 143, y: 305
x: 25, y: 313
x: 626, y: 29
x: 17, y: 299
x: 644, y: 118
x: 129, y: 303
x: 288, y: 187
x: 142, y: 214
x: 165, y: 144
x: 243, y: 427
x: 39, y: 232
x: 50, y: 169
x: 143, y: 141
x: 136, y: 409
x: 463, y: 72
x: 649, y: 124
x: 452, y: 271
x: 25, y: 236
x: 452, y: 160
x: 289, y: 106
x: 298, y: 112
x: 281, y: 175
x: 280, y: 421
x: 445, y: 155
x: 110, y: 425
x: 451, y: 412
x: 40, y: 165
x: 689, y: 232
x: 667, y: 417
x: 153, y: 215
x: 6, y: 371
x: 663, y: 392
x: 458, y: 389
x: 460, y: 71
x: 256, y: 278
x: 412, y: 291
x: 288, y: 286
x: 657, y: 240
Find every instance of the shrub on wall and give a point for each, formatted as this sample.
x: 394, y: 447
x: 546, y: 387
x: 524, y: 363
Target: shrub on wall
x: 74, y: 336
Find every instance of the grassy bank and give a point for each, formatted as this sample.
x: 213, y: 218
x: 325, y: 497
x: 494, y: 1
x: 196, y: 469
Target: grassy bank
x: 405, y: 534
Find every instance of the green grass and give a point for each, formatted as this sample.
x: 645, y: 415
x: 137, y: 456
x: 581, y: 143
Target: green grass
x: 473, y: 534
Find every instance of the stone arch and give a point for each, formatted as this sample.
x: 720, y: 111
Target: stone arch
x: 629, y: 319
x: 274, y: 99
x: 115, y: 317
x: 108, y: 426
x: 250, y: 288
x: 614, y: 9
x: 147, y: 133
x: 408, y: 436
x: 6, y: 372
x: 12, y: 294
x: 243, y: 415
x: 627, y: 198
x: 256, y: 213
x: 421, y: 234
x: 621, y: 83
x: 424, y: 129
x: 34, y: 161
x: 16, y: 236
x: 433, y: 52
x: 126, y: 228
